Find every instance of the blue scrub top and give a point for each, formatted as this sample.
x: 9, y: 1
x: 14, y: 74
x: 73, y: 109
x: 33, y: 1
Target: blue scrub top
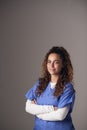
x: 47, y: 98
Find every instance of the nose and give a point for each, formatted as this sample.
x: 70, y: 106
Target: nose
x: 52, y: 64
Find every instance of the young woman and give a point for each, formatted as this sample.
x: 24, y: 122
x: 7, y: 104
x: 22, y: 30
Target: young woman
x: 52, y: 97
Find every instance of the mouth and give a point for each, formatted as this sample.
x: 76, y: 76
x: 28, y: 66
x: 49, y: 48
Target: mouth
x: 51, y: 69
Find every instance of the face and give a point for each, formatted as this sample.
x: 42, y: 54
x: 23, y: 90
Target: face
x: 54, y: 64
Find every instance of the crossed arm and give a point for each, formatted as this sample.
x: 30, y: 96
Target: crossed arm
x: 46, y: 112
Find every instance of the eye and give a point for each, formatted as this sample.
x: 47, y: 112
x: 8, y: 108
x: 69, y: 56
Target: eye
x: 57, y: 62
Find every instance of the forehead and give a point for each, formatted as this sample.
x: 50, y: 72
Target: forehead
x: 54, y: 56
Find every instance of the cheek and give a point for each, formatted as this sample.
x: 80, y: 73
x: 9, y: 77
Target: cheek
x: 58, y: 67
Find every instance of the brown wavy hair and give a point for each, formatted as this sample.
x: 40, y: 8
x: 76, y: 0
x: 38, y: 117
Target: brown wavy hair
x: 66, y: 74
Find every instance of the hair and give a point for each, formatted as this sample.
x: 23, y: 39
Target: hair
x: 65, y: 76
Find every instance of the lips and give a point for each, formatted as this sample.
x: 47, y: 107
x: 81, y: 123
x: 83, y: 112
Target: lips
x: 51, y: 69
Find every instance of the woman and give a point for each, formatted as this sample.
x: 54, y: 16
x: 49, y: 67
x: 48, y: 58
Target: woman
x: 52, y: 97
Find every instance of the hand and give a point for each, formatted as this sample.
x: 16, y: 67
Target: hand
x: 55, y: 108
x: 34, y: 101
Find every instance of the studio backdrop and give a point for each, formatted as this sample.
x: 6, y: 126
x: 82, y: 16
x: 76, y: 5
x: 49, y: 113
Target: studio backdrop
x: 29, y: 28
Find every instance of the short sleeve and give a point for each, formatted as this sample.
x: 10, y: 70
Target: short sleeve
x: 31, y: 92
x: 68, y: 97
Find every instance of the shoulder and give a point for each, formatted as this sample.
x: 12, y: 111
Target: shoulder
x: 33, y: 88
x: 69, y: 87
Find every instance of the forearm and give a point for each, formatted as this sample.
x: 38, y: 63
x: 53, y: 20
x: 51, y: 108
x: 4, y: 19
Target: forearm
x: 36, y: 109
x: 59, y: 114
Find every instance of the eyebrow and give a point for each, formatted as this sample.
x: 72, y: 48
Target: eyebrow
x: 54, y: 60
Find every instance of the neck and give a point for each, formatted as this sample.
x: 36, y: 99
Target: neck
x: 54, y: 78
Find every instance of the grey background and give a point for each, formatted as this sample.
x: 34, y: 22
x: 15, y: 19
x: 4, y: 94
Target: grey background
x: 28, y: 29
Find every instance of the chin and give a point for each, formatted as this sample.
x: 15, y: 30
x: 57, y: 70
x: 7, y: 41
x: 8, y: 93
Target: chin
x: 52, y: 73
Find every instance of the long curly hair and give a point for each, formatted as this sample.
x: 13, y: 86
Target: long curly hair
x: 65, y: 76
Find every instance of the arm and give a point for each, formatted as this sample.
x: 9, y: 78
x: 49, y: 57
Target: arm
x: 59, y: 114
x: 36, y: 109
